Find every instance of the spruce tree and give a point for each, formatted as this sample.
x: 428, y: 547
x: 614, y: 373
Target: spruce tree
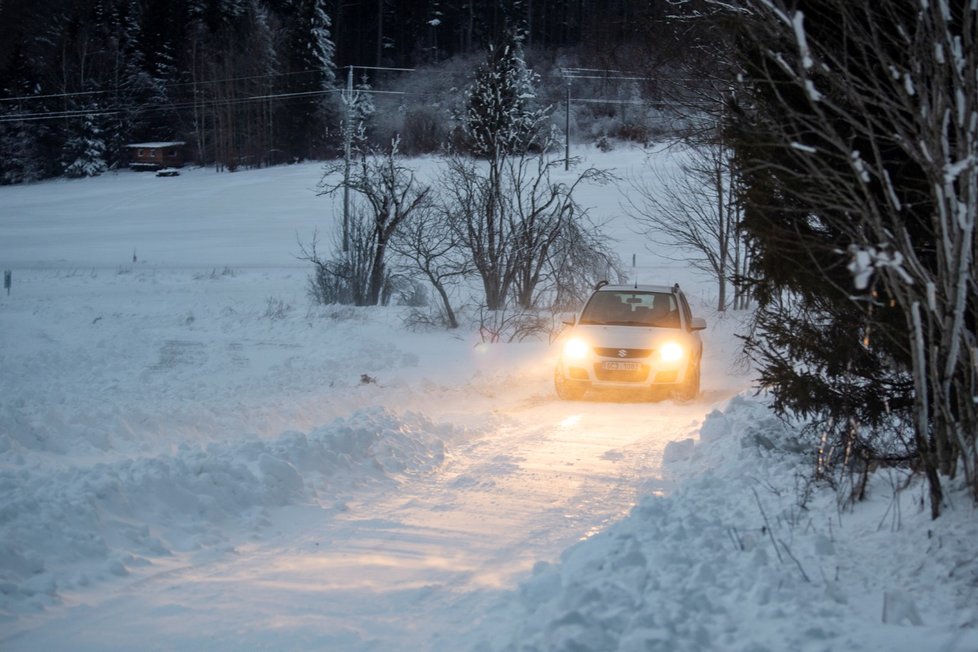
x: 860, y: 199
x: 19, y: 162
x: 501, y: 113
x: 308, y: 54
x: 360, y: 109
x: 84, y: 152
x: 130, y: 86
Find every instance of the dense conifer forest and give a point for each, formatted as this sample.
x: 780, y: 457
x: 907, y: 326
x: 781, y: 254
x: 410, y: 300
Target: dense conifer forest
x: 247, y: 83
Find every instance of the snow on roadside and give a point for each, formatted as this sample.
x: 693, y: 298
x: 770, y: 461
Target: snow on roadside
x: 74, y: 527
x: 747, y: 554
x: 101, y: 365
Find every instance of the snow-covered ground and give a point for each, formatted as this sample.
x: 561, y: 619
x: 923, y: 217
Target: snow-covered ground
x: 193, y: 457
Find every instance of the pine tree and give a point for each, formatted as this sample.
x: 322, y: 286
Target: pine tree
x: 163, y: 76
x: 308, y: 54
x: 261, y: 68
x: 806, y: 312
x: 871, y: 180
x: 11, y: 163
x: 126, y: 77
x: 360, y: 108
x: 166, y: 40
x: 23, y: 143
x: 84, y: 153
x: 501, y: 114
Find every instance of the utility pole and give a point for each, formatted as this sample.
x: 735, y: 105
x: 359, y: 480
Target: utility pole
x: 347, y: 146
x: 567, y: 127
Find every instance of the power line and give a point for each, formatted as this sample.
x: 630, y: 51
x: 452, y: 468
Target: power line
x: 204, y: 104
x: 571, y: 73
x: 618, y: 75
x: 50, y: 95
x: 205, y: 82
x: 168, y: 86
x: 383, y: 68
x: 209, y: 103
x: 654, y: 103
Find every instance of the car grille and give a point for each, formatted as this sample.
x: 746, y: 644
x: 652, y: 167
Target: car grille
x: 637, y: 376
x: 629, y: 353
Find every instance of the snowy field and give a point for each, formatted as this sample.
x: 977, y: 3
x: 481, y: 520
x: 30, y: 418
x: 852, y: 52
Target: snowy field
x: 194, y: 457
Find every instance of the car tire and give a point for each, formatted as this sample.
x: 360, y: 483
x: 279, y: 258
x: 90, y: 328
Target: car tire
x: 690, y: 387
x: 568, y: 390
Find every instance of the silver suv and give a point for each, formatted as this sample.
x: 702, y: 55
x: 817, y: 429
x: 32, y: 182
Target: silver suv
x: 632, y: 337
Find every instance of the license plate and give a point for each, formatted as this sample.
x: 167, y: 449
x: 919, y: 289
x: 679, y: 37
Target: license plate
x: 615, y: 365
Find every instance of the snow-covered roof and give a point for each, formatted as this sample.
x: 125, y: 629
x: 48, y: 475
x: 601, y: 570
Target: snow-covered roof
x: 160, y: 145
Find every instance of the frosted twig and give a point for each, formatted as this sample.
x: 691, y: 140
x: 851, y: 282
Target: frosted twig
x: 767, y: 525
x: 795, y: 559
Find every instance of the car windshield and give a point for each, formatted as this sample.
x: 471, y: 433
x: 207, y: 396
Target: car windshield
x: 624, y: 308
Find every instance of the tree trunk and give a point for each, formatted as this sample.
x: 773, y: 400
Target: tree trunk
x: 445, y: 301
x: 495, y: 296
x: 377, y: 277
x: 380, y: 33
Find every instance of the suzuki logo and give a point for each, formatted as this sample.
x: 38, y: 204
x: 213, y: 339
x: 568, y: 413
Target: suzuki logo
x: 622, y: 353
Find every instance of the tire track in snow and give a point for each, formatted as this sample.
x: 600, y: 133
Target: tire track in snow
x: 406, y: 569
x: 411, y: 566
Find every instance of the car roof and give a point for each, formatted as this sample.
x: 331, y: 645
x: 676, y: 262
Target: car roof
x: 665, y: 289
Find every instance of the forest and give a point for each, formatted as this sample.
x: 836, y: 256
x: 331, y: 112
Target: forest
x: 248, y: 83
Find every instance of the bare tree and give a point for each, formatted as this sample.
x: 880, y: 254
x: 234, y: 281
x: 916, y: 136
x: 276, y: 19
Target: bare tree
x: 580, y: 258
x: 390, y: 192
x: 344, y: 275
x: 510, y: 214
x: 544, y: 215
x: 693, y: 208
x: 430, y: 246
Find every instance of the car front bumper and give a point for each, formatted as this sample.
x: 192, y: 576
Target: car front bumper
x: 600, y: 371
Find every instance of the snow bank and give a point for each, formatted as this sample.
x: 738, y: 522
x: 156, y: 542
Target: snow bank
x: 747, y: 554
x: 75, y: 526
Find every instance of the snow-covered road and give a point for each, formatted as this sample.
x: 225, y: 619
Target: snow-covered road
x: 410, y: 559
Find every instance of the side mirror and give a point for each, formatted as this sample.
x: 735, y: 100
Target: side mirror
x: 568, y: 322
x: 697, y: 324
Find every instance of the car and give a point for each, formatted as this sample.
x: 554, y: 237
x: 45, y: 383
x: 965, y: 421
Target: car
x: 168, y: 172
x: 637, y: 337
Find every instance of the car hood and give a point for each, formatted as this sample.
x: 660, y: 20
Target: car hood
x: 628, y: 337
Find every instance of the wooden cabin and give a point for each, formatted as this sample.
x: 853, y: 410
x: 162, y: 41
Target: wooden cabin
x: 156, y: 156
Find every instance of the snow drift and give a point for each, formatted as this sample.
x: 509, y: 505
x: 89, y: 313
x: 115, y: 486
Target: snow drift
x: 68, y: 528
x: 748, y: 554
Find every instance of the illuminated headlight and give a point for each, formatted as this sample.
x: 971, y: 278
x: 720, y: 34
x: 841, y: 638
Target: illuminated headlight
x: 576, y: 349
x: 671, y: 352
